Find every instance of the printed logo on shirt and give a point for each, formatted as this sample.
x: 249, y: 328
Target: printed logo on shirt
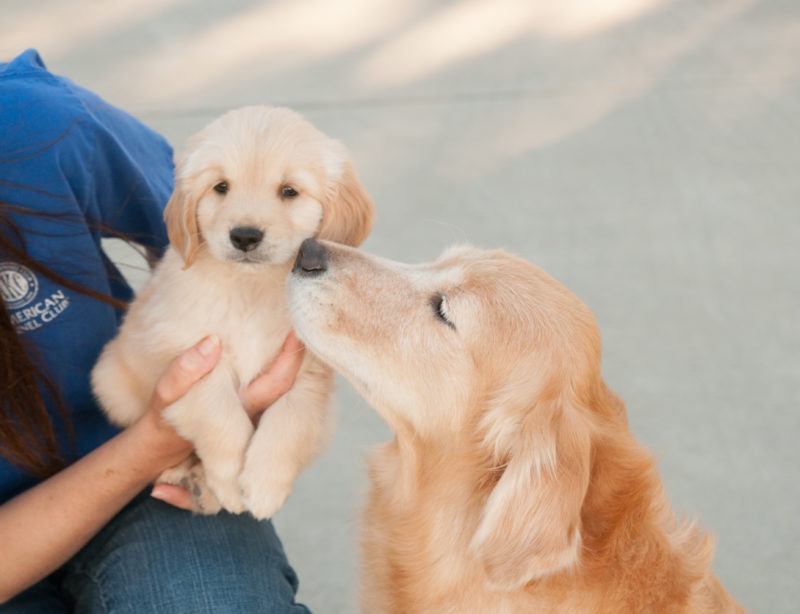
x: 18, y: 284
x: 19, y: 288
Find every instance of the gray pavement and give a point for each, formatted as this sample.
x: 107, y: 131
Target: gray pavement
x: 644, y: 152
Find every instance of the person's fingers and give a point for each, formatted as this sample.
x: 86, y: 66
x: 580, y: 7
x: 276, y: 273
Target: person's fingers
x: 174, y: 495
x: 277, y: 380
x: 185, y: 370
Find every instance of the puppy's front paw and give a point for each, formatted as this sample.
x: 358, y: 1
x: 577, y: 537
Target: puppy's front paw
x: 264, y: 495
x: 227, y: 492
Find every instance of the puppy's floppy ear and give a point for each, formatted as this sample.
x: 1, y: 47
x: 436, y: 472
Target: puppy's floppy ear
x: 180, y: 216
x: 348, y: 211
x: 531, y: 523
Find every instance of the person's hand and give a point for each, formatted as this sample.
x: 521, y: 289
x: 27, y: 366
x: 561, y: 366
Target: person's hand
x: 256, y: 398
x: 162, y: 439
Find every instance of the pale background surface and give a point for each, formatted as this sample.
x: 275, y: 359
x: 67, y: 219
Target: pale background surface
x: 644, y: 152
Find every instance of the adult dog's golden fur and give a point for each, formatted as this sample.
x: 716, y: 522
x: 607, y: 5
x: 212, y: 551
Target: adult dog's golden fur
x: 513, y: 484
x: 249, y: 188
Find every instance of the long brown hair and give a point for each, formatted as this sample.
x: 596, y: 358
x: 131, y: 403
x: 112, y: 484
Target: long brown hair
x: 27, y: 435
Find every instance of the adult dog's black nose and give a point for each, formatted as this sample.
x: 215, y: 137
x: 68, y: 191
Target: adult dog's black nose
x: 312, y: 259
x: 246, y: 238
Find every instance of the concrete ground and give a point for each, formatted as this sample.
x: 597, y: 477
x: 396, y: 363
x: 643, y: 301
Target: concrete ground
x: 644, y: 152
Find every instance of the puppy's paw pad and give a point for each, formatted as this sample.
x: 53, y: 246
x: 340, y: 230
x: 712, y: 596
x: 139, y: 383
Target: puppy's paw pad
x: 203, y: 500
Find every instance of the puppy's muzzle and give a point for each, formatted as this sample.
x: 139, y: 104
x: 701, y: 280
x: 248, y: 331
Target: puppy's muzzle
x: 312, y: 259
x: 246, y: 238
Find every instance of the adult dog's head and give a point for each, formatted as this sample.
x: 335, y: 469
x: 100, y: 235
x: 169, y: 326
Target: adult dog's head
x: 252, y: 185
x: 481, y: 348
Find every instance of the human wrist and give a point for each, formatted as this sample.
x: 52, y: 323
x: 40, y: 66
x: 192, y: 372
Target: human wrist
x: 159, y: 443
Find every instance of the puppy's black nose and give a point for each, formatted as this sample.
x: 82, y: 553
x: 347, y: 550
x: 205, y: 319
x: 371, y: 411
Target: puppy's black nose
x: 246, y: 238
x: 312, y: 259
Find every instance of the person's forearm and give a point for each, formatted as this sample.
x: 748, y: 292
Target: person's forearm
x: 45, y: 526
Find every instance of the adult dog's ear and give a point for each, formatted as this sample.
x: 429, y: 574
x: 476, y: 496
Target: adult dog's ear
x: 348, y: 211
x: 180, y: 216
x: 531, y: 523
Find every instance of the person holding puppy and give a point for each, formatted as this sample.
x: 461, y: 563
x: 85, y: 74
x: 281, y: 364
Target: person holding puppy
x: 78, y: 528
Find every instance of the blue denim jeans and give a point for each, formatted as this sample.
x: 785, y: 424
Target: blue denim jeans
x: 154, y: 558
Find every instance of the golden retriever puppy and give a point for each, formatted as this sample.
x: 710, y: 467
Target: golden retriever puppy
x: 513, y: 484
x: 249, y: 188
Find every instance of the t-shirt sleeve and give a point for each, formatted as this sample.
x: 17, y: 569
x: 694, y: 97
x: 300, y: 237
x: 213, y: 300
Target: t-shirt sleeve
x: 65, y: 150
x: 131, y: 174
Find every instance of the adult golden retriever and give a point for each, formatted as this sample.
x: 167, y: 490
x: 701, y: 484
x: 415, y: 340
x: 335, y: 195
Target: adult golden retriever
x: 513, y: 484
x: 249, y: 188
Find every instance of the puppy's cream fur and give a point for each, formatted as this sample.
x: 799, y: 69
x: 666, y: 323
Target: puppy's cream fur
x: 513, y: 484
x: 204, y: 285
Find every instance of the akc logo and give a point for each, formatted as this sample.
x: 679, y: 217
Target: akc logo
x: 18, y: 285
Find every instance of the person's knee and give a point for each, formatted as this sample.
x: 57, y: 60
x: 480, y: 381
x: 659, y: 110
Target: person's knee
x: 165, y: 560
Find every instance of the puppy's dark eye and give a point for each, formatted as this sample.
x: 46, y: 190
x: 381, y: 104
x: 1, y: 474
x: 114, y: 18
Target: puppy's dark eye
x: 221, y: 187
x: 288, y: 191
x: 441, y: 309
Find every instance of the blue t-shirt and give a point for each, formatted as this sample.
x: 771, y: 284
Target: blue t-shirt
x: 88, y: 166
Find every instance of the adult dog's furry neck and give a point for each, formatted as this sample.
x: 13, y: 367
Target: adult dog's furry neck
x: 441, y: 488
